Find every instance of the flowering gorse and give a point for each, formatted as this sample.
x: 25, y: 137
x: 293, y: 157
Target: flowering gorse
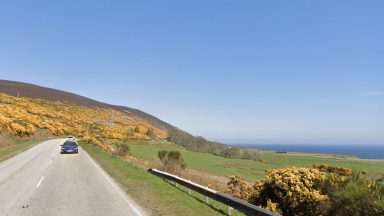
x: 289, y: 191
x: 100, y: 126
x: 296, y: 191
x: 239, y: 188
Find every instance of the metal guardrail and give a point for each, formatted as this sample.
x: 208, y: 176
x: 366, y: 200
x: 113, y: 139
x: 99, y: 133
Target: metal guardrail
x: 235, y: 203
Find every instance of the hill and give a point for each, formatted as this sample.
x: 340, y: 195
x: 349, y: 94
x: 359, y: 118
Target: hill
x: 20, y: 89
x: 27, y: 108
x: 101, y: 126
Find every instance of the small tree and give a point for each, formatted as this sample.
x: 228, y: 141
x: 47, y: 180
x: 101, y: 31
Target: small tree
x: 232, y: 152
x: 172, y: 161
x: 137, y: 130
x: 151, y: 134
x: 121, y: 150
x: 131, y: 132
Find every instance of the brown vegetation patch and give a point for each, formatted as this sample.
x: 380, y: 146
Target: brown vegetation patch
x: 8, y: 139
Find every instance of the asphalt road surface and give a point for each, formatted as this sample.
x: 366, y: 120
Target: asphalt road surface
x: 41, y: 181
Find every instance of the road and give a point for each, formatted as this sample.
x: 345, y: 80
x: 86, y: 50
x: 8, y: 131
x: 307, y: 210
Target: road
x: 41, y: 181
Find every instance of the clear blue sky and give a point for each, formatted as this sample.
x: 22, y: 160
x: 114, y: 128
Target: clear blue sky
x: 232, y: 71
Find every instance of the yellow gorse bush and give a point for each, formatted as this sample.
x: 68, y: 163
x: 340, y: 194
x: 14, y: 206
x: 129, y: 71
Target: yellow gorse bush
x: 289, y: 191
x: 296, y: 191
x: 296, y: 185
x: 336, y: 180
x: 24, y: 116
x: 238, y: 188
x: 271, y: 206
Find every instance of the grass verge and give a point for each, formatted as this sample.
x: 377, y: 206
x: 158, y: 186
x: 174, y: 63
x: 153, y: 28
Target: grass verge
x: 159, y: 197
x: 10, y: 151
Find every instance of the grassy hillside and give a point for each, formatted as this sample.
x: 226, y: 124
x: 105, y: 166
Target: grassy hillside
x: 104, y: 126
x: 27, y: 90
x: 100, y: 123
x: 101, y: 126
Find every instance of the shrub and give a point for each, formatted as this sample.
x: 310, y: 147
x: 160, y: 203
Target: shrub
x: 305, y: 191
x: 121, y: 150
x: 232, y: 153
x: 150, y: 133
x: 355, y: 196
x: 238, y: 188
x: 293, y: 191
x: 172, y: 161
x: 331, y: 169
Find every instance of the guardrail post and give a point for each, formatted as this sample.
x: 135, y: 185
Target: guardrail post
x: 175, y: 184
x: 206, y: 200
x: 229, y: 212
x: 189, y: 191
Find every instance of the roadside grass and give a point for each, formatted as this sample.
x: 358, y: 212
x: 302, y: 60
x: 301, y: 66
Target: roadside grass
x: 158, y: 196
x: 18, y: 147
x: 252, y: 170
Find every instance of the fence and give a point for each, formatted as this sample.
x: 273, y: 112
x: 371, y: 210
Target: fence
x: 231, y: 202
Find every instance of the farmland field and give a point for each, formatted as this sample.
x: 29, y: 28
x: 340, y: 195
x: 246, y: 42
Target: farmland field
x: 250, y: 169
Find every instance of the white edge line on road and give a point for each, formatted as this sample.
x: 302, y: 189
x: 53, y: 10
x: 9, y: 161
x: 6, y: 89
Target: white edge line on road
x: 41, y: 180
x: 114, y: 185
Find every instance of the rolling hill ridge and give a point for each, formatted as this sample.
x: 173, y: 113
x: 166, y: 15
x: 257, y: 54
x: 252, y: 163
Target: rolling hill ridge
x: 21, y: 89
x: 26, y: 109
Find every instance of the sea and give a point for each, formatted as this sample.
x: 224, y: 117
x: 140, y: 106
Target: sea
x: 360, y: 151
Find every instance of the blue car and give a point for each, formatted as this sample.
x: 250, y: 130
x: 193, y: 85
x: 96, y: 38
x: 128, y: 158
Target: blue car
x: 69, y: 147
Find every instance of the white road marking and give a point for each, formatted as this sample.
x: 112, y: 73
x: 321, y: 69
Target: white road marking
x: 41, y: 180
x: 113, y: 184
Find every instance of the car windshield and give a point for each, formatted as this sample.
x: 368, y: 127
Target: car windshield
x: 70, y: 144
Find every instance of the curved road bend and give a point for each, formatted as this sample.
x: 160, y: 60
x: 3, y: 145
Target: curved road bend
x: 43, y: 182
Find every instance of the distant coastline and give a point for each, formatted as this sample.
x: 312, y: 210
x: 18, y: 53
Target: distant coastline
x: 360, y: 151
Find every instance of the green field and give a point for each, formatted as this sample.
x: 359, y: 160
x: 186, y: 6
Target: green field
x: 249, y: 169
x: 163, y: 198
x: 156, y: 195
